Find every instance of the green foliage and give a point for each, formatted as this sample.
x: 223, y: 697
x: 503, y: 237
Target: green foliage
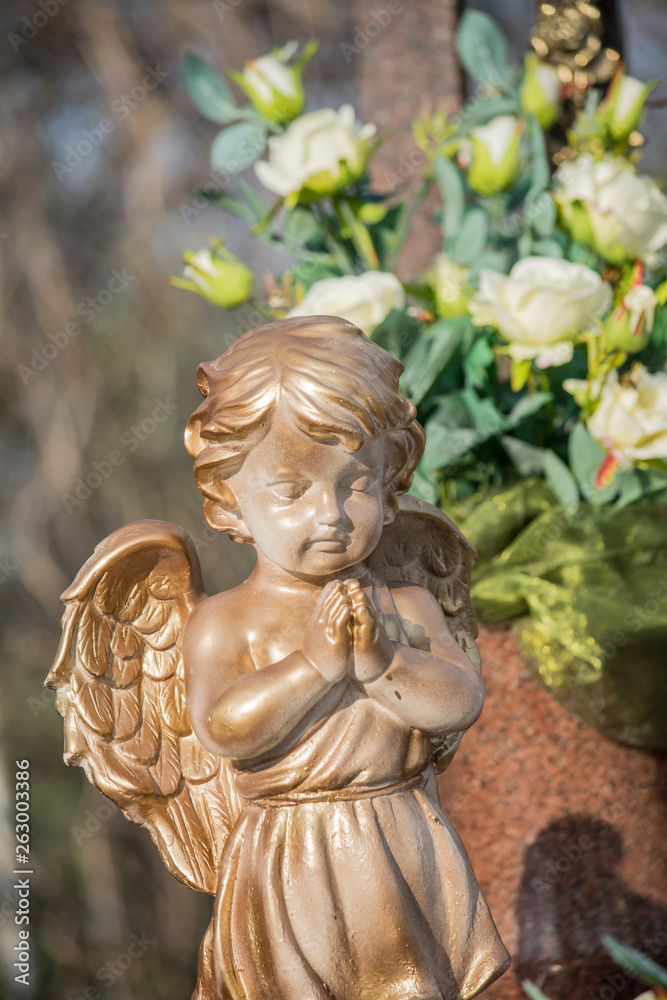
x: 464, y: 420
x: 492, y: 414
x: 238, y: 146
x: 586, y: 457
x: 636, y: 963
x: 484, y: 109
x: 559, y: 478
x: 471, y: 238
x: 452, y: 190
x: 430, y: 354
x: 526, y: 458
x: 483, y: 49
x: 533, y: 991
x: 308, y: 272
x: 208, y: 91
x: 397, y: 333
x: 301, y: 227
x: 255, y: 203
x: 228, y: 203
x: 477, y: 363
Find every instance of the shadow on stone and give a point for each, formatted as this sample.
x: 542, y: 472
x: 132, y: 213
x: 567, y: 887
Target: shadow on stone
x: 571, y: 892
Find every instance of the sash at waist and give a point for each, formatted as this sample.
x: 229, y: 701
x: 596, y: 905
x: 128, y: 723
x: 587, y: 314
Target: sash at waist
x: 296, y: 798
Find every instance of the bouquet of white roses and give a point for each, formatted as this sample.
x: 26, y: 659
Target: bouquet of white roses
x: 535, y: 345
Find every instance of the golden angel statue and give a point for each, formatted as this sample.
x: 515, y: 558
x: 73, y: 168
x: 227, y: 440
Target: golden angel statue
x: 280, y: 740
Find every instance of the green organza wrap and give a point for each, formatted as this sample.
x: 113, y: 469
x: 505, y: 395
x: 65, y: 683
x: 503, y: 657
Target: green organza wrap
x: 589, y: 588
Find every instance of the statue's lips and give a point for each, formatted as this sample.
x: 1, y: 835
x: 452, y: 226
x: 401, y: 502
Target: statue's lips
x: 335, y: 544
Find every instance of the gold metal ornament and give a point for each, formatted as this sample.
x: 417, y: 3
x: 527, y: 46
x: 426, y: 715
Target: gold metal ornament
x: 280, y: 740
x: 568, y: 34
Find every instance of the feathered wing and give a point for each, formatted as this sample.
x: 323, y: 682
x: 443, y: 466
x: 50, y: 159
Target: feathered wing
x: 118, y: 675
x: 423, y: 546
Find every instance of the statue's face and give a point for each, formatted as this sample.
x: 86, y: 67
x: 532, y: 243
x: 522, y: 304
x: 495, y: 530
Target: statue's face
x: 312, y: 508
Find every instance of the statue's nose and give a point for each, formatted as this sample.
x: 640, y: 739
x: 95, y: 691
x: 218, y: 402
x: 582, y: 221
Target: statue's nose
x: 329, y: 510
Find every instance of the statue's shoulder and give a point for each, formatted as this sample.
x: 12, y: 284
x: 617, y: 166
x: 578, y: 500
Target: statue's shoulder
x: 220, y: 622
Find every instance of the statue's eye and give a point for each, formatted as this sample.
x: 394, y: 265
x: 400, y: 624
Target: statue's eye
x: 361, y: 485
x: 288, y: 490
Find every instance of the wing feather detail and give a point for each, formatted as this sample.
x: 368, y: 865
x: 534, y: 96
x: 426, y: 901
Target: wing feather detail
x: 424, y: 547
x: 118, y: 676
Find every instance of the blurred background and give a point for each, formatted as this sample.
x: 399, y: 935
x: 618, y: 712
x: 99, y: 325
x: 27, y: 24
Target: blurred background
x: 99, y: 357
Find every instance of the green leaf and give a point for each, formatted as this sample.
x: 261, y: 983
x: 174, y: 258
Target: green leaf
x: 540, y: 211
x: 533, y: 991
x: 430, y: 354
x: 653, y: 481
x: 238, y: 146
x: 639, y: 965
x: 451, y: 410
x: 630, y: 487
x: 423, y: 486
x: 257, y: 204
x: 654, y: 355
x: 228, y: 203
x: 301, y: 226
x: 471, y: 239
x: 450, y: 436
x: 486, y: 417
x: 453, y: 196
x: 482, y: 48
x: 208, y: 91
x: 397, y: 333
x: 288, y: 50
x: 492, y: 260
x: 526, y: 458
x: 541, y: 173
x: 559, y: 479
x: 525, y: 245
x: 387, y: 234
x: 307, y: 52
x: 445, y: 445
x: 548, y: 248
x: 481, y: 111
x: 308, y: 272
x: 635, y: 484
x: 586, y: 457
x: 477, y: 362
x: 359, y: 235
x: 530, y: 403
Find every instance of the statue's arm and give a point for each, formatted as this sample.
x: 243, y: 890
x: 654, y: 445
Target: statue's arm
x: 436, y: 689
x: 237, y: 711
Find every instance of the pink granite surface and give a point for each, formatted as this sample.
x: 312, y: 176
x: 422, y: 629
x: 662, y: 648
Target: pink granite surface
x: 566, y: 831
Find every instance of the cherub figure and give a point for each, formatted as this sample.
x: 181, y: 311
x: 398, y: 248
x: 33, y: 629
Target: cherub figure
x: 280, y: 740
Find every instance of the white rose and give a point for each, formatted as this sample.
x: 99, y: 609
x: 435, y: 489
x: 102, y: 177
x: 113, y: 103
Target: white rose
x: 610, y: 207
x: 273, y: 83
x: 540, y: 306
x: 629, y: 327
x: 631, y: 417
x: 492, y: 154
x: 541, y: 90
x: 318, y: 153
x: 217, y: 275
x: 624, y: 103
x: 268, y: 74
x: 364, y: 299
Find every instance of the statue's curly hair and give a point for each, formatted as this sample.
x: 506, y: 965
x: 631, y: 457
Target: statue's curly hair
x: 336, y: 384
